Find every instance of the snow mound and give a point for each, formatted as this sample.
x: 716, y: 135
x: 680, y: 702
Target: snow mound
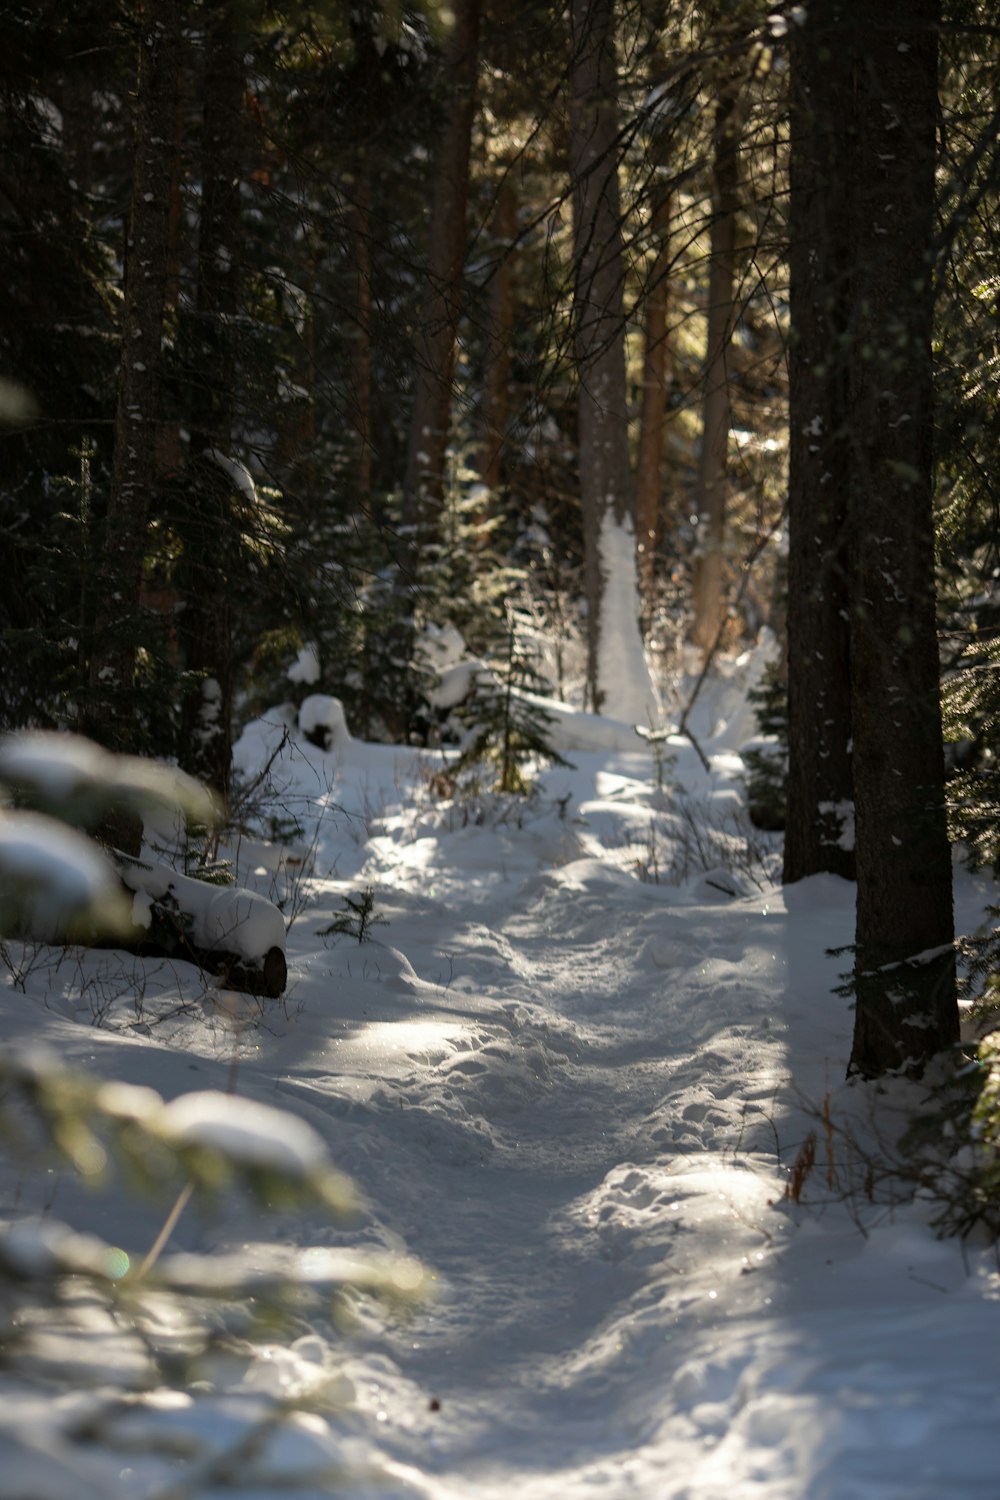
x: 322, y: 720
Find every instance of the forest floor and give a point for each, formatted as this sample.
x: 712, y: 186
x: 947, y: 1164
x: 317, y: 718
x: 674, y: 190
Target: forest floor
x: 575, y: 1071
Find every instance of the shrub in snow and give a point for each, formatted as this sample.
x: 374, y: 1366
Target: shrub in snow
x: 982, y: 1155
x: 54, y: 883
x: 950, y: 1149
x: 74, y: 779
x: 971, y: 713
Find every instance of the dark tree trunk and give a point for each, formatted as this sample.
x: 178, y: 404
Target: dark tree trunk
x: 361, y: 338
x: 430, y: 418
x: 865, y: 723
x: 499, y: 332
x: 819, y: 819
x: 111, y: 713
x: 905, y: 969
x: 713, y: 468
x: 649, y: 461
x: 212, y: 502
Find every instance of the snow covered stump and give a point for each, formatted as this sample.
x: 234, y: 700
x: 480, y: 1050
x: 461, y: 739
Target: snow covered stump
x: 225, y: 929
x: 322, y: 721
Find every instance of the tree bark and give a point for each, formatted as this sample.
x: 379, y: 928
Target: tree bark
x: 210, y: 510
x: 361, y: 345
x: 819, y: 820
x: 110, y: 713
x: 905, y: 967
x: 430, y: 418
x: 617, y: 675
x: 655, y: 366
x: 709, y: 587
x: 499, y: 332
x: 865, y: 724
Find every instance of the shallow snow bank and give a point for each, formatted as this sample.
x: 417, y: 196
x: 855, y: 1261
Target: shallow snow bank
x: 571, y: 729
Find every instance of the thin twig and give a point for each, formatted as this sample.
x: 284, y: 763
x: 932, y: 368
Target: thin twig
x: 169, y: 1225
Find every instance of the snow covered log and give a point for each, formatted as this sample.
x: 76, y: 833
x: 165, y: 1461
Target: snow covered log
x: 225, y: 929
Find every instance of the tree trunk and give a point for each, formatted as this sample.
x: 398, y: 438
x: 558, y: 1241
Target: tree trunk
x: 905, y: 967
x: 499, y: 332
x: 709, y: 589
x: 617, y: 674
x: 865, y: 721
x: 111, y: 712
x: 430, y: 418
x: 361, y: 345
x: 76, y: 101
x: 211, y: 503
x: 819, y: 819
x: 648, y: 491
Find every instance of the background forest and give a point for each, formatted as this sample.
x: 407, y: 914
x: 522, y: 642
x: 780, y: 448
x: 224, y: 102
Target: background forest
x: 351, y: 271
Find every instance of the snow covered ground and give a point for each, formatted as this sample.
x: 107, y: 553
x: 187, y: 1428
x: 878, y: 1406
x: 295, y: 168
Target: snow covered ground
x: 572, y: 1071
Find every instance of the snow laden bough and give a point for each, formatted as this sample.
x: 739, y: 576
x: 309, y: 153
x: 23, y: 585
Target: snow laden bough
x: 57, y: 885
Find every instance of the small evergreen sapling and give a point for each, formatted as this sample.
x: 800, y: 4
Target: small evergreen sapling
x: 510, y: 728
x: 766, y: 760
x: 359, y: 918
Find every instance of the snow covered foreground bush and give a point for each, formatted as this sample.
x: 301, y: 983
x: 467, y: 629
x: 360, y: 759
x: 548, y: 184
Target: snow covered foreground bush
x: 55, y: 881
x: 57, y: 884
x: 152, y: 1322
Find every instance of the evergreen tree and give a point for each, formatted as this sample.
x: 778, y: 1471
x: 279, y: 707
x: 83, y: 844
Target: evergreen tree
x: 56, y: 347
x: 820, y: 783
x: 111, y: 711
x: 510, y: 729
x: 874, y: 246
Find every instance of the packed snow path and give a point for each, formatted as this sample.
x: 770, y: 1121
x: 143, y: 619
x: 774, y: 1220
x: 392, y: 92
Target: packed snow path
x: 578, y: 1096
x: 593, y: 1108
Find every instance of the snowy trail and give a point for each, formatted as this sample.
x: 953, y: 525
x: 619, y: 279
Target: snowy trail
x: 629, y: 1307
x: 613, y: 1104
x: 577, y: 1096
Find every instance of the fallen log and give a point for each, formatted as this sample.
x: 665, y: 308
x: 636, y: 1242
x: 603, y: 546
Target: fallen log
x: 224, y: 929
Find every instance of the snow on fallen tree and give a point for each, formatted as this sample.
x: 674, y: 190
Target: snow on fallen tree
x: 57, y: 885
x: 225, y: 929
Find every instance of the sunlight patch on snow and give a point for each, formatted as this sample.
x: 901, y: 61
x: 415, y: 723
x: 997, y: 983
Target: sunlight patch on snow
x: 390, y: 1046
